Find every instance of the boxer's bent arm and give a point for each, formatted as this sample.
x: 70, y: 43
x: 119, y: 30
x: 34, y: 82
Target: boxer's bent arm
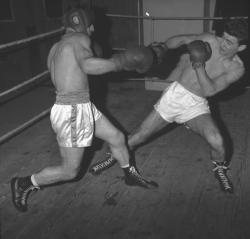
x: 97, y: 66
x: 211, y: 87
x: 207, y: 85
x: 179, y: 40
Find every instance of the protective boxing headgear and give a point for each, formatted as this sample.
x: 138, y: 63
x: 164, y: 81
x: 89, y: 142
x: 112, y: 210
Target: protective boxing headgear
x: 78, y: 19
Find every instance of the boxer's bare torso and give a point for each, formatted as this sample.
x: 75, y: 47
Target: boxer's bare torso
x: 221, y: 70
x: 67, y: 74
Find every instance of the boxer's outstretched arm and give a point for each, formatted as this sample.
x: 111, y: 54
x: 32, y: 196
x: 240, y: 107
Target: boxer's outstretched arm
x: 98, y: 66
x: 92, y: 65
x: 179, y: 40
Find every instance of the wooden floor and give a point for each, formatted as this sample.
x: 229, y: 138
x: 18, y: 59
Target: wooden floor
x: 187, y: 205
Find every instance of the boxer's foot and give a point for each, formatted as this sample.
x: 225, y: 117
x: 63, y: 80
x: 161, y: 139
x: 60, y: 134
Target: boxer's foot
x: 20, y: 192
x: 133, y: 178
x: 220, y: 172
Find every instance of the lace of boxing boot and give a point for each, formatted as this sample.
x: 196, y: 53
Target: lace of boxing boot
x: 220, y: 171
x: 101, y: 166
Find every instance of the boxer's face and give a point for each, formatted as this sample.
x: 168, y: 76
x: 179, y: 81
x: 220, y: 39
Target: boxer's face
x: 229, y: 45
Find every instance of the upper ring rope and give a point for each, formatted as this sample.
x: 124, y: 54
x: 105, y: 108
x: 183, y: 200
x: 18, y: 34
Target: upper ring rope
x: 174, y: 18
x: 25, y: 40
x: 60, y: 30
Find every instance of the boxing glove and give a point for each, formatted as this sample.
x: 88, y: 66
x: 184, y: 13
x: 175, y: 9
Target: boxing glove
x: 199, y: 52
x: 159, y: 49
x: 139, y: 59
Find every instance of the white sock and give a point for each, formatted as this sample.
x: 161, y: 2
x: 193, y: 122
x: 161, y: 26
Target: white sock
x: 125, y: 166
x: 32, y: 178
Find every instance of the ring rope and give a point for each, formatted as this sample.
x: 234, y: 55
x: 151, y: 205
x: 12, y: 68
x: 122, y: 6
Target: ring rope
x: 20, y: 128
x: 25, y: 40
x: 33, y: 120
x: 174, y: 18
x: 25, y: 83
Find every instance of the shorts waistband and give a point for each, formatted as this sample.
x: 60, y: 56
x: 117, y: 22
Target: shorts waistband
x: 200, y: 98
x: 74, y: 97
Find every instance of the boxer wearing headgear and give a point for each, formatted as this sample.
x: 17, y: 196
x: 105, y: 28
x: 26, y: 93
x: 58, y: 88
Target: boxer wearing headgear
x: 79, y: 20
x: 74, y: 118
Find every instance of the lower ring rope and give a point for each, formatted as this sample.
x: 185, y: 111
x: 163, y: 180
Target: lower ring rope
x: 17, y: 130
x: 23, y: 84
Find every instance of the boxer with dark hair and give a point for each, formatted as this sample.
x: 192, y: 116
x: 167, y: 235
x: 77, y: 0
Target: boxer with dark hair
x: 237, y: 28
x: 74, y: 118
x: 210, y: 65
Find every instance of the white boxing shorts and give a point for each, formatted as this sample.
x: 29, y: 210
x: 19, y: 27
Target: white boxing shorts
x: 179, y: 105
x: 72, y: 118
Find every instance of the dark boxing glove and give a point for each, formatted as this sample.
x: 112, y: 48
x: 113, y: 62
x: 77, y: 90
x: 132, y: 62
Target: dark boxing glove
x: 199, y: 52
x: 159, y: 49
x: 139, y: 59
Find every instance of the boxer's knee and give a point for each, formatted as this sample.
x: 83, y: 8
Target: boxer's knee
x: 117, y: 139
x: 70, y: 173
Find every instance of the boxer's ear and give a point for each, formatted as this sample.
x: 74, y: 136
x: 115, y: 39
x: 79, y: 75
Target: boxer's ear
x: 242, y: 47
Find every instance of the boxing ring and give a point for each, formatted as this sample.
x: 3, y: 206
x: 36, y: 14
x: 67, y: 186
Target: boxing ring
x: 43, y: 76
